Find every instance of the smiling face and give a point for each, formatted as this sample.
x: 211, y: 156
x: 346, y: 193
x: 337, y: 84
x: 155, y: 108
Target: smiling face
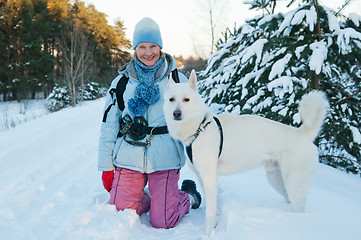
x: 148, y: 53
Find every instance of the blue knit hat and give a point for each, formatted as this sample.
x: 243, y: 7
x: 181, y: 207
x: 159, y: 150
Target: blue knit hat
x: 147, y: 30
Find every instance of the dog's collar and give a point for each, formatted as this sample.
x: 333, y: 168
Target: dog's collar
x: 202, y: 126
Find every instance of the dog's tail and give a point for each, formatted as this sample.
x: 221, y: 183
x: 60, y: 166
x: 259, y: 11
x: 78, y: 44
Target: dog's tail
x: 313, y: 109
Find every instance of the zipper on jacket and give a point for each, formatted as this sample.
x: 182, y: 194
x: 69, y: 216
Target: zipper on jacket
x: 145, y: 149
x: 145, y: 160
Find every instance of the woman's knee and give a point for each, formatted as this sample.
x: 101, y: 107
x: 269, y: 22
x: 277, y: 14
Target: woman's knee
x: 158, y: 222
x: 127, y: 189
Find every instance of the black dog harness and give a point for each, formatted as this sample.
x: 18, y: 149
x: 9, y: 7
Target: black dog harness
x: 189, y: 148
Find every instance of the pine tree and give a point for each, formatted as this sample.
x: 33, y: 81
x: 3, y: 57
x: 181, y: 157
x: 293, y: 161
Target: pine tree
x: 30, y: 38
x: 271, y: 61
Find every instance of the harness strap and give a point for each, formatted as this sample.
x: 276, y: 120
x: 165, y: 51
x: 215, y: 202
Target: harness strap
x: 189, y: 148
x: 221, y: 135
x: 189, y: 153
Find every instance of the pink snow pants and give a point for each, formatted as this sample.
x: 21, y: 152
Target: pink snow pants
x: 167, y: 204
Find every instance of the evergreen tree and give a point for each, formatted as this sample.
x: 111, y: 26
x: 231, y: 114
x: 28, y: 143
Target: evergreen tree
x: 31, y: 57
x: 10, y: 47
x: 271, y: 61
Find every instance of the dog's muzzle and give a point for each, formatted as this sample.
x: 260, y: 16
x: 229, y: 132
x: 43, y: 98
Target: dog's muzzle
x: 177, y: 115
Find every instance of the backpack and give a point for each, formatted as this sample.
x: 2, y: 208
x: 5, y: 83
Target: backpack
x: 120, y: 88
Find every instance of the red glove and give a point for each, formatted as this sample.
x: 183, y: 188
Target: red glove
x: 107, y: 178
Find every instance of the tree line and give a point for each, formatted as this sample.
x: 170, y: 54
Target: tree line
x: 48, y: 42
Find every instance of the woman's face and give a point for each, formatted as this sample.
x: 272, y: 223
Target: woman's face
x: 148, y: 53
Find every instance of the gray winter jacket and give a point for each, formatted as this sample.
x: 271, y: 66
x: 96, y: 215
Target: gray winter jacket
x: 164, y: 152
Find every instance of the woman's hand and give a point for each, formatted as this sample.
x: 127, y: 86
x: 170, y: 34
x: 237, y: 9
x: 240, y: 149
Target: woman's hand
x: 107, y: 178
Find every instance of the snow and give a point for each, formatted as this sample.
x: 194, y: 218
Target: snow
x: 332, y: 20
x: 356, y: 134
x: 254, y: 50
x: 344, y: 36
x: 319, y: 55
x: 279, y: 67
x: 286, y: 22
x: 281, y: 86
x: 14, y: 113
x: 355, y: 18
x: 299, y: 50
x: 247, y: 78
x: 51, y: 189
x: 311, y: 17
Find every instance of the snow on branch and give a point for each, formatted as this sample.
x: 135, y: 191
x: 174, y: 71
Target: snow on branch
x: 355, y: 18
x: 319, y: 55
x: 279, y: 67
x: 282, y: 85
x: 255, y: 49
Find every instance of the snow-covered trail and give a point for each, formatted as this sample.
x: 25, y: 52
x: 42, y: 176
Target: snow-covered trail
x: 46, y: 165
x: 50, y: 189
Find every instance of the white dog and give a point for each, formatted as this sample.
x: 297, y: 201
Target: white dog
x: 243, y: 142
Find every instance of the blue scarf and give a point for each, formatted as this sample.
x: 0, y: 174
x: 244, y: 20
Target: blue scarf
x: 146, y: 92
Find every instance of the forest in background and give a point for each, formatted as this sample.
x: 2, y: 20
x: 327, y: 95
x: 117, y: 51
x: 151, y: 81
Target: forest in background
x: 45, y: 43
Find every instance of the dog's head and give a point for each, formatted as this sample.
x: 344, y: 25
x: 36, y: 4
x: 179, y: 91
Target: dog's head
x: 182, y: 101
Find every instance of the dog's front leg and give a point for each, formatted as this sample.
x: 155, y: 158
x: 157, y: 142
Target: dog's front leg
x: 209, y: 179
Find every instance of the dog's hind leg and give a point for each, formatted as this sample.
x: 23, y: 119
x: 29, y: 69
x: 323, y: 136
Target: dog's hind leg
x: 275, y: 179
x: 297, y: 173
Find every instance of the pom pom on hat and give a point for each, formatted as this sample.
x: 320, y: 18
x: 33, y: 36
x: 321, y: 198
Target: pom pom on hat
x: 147, y: 30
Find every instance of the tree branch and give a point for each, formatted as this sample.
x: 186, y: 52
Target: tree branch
x: 347, y: 98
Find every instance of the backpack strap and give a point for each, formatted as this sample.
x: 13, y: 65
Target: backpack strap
x: 175, y: 75
x: 119, y: 90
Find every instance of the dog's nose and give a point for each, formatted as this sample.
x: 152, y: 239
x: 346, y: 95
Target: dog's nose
x: 177, y: 114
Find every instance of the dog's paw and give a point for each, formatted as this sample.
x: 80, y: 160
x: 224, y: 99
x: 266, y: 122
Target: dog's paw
x: 207, y: 236
x: 204, y: 236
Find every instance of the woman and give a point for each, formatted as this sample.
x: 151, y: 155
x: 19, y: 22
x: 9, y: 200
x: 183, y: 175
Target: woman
x: 135, y: 147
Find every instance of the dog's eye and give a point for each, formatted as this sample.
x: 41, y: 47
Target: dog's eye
x: 186, y: 100
x: 171, y: 99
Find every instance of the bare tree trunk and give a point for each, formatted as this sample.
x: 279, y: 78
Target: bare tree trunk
x: 76, y: 59
x: 274, y: 6
x: 212, y: 24
x: 315, y: 80
x: 211, y: 16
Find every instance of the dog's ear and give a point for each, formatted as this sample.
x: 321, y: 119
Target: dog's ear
x: 193, y: 80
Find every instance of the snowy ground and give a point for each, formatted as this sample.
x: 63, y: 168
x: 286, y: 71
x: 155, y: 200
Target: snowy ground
x: 14, y: 113
x: 50, y: 189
